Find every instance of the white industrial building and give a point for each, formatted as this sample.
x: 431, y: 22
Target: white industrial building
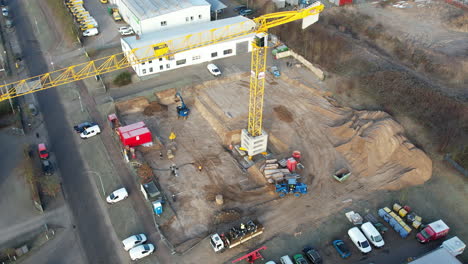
x: 155, y: 15
x: 176, y: 39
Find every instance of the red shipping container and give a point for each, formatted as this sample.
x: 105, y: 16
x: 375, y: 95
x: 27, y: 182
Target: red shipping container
x: 136, y: 137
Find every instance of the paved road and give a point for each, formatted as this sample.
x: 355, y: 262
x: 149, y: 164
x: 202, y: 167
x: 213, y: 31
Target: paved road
x: 88, y: 216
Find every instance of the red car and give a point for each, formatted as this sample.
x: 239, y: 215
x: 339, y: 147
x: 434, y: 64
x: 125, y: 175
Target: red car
x: 43, y: 153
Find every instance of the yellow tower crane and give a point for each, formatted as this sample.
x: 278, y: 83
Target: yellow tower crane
x: 253, y: 138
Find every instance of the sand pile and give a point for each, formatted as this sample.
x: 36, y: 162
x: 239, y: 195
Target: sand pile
x: 375, y: 147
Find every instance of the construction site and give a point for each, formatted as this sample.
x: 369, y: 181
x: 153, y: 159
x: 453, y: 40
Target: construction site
x: 275, y: 144
x: 329, y: 136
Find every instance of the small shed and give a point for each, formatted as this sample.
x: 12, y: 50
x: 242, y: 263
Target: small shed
x: 342, y: 2
x: 135, y: 134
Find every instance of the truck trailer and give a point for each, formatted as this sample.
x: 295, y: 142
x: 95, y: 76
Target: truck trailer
x: 445, y: 254
x: 235, y: 236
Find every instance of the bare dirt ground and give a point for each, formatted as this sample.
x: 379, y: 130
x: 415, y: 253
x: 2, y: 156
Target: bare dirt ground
x: 297, y: 117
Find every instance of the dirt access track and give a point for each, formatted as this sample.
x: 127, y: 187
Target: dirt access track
x: 297, y: 117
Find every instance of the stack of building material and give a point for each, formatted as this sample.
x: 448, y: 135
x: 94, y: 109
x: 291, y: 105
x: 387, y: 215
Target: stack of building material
x: 273, y: 172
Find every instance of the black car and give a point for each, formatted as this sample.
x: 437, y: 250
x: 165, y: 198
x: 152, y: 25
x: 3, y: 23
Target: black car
x: 81, y: 127
x: 312, y: 255
x: 47, y: 167
x: 239, y: 8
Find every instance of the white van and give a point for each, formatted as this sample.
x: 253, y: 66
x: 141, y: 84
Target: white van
x: 372, y: 234
x: 359, y: 240
x: 90, y: 132
x: 286, y: 260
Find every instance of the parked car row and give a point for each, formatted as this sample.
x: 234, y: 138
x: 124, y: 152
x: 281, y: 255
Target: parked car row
x: 6, y: 14
x: 46, y: 164
x: 87, y: 129
x: 136, y: 247
x: 135, y: 244
x: 362, y: 238
x: 83, y: 18
x: 309, y: 254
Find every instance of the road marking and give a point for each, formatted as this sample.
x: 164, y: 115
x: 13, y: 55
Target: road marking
x: 35, y: 20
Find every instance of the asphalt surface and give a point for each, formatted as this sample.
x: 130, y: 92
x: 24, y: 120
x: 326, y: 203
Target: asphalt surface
x: 82, y: 200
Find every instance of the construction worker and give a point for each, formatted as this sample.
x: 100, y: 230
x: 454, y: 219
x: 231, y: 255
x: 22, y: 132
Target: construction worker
x: 200, y: 167
x: 242, y: 226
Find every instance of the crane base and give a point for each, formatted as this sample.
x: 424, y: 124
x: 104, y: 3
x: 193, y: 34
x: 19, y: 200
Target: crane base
x: 254, y: 145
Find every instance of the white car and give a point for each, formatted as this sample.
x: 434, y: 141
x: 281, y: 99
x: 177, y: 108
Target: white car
x: 117, y: 196
x: 213, y: 69
x: 372, y: 234
x: 125, y: 31
x: 5, y: 11
x: 90, y: 32
x: 141, y: 251
x: 90, y: 132
x: 133, y: 241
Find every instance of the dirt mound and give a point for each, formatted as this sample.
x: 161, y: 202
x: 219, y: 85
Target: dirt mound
x: 459, y: 23
x: 283, y: 113
x: 135, y: 105
x: 375, y: 147
x: 154, y: 107
x: 145, y: 173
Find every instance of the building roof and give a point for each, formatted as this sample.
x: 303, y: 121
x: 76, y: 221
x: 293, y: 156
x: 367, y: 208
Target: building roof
x: 216, y: 5
x: 440, y: 255
x: 200, y: 32
x: 144, y: 9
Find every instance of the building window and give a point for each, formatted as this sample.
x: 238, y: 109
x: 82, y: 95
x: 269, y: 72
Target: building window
x: 199, y: 16
x: 143, y: 63
x: 181, y: 62
x: 191, y: 18
x: 150, y: 61
x: 160, y: 59
x: 168, y: 66
x: 228, y: 51
x: 144, y: 71
x: 196, y: 57
x: 161, y: 67
x: 214, y: 54
x: 151, y: 69
x: 187, y: 19
x: 163, y: 23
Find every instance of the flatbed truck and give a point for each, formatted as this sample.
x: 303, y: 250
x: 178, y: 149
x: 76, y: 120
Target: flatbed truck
x: 235, y: 236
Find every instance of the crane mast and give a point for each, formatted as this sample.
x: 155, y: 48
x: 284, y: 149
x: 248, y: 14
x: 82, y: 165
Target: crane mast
x: 254, y: 139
